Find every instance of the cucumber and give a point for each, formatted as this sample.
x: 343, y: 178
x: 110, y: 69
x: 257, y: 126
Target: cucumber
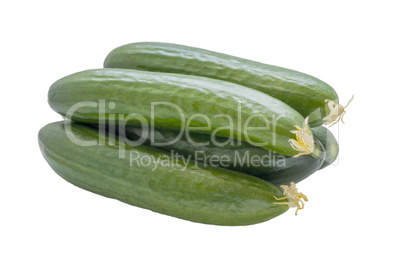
x: 242, y: 157
x: 329, y: 142
x: 303, y: 92
x: 187, y: 102
x: 209, y: 195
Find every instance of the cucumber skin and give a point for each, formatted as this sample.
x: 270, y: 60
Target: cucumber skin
x: 330, y: 144
x: 303, y: 92
x: 201, y: 194
x: 295, y: 169
x: 133, y: 92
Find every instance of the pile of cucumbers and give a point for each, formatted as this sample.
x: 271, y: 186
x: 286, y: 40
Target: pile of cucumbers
x: 191, y: 133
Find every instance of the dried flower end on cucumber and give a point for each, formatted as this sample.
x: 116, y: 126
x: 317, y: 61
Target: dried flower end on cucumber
x: 294, y: 197
x: 337, y: 111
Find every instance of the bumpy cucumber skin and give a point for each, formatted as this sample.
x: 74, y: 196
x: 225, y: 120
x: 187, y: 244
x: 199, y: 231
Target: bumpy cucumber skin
x: 330, y: 144
x: 303, y: 92
x: 280, y: 171
x: 201, y: 194
x: 134, y: 91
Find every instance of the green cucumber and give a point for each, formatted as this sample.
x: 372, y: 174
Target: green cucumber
x: 303, y: 92
x: 186, y: 102
x: 227, y: 153
x: 208, y: 195
x: 329, y: 142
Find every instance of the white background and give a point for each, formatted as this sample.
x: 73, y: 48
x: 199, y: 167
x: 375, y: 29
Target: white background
x: 353, y: 213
